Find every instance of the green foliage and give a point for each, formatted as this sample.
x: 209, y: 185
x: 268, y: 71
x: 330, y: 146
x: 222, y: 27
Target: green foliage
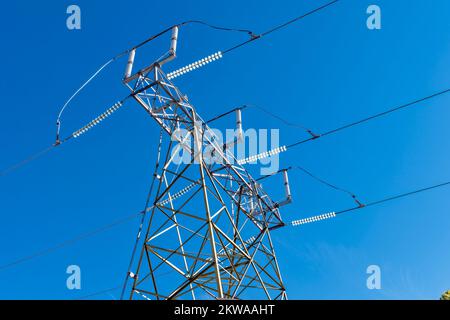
x: 446, y: 295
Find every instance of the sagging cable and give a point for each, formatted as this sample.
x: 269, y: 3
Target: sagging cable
x: 321, y: 217
x: 324, y: 182
x: 97, y: 120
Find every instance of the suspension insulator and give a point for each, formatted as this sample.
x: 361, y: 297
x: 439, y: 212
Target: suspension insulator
x: 263, y: 155
x: 177, y: 195
x: 194, y: 65
x: 97, y: 120
x: 314, y: 219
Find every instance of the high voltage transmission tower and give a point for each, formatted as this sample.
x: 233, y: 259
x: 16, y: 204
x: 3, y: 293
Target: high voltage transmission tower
x: 208, y: 228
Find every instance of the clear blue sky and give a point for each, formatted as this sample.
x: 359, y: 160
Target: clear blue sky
x: 323, y: 72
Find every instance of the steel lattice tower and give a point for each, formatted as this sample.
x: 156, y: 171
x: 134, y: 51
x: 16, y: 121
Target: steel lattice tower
x: 208, y: 227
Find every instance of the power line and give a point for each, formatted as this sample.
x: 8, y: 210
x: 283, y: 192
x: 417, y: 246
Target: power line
x: 381, y: 114
x: 94, y: 294
x: 75, y: 134
x: 153, y: 37
x: 98, y: 293
x: 314, y: 136
x: 249, y: 32
x: 224, y: 114
x: 324, y: 182
x: 281, y: 26
x: 272, y: 114
x: 399, y: 196
x: 276, y: 28
x: 253, y: 37
x: 26, y: 160
x: 331, y: 215
x: 286, y: 122
x: 97, y: 72
x: 69, y: 242
x: 86, y: 235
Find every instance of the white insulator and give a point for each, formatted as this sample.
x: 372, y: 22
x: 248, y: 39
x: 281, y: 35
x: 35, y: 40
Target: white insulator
x: 263, y: 155
x: 97, y: 120
x: 194, y: 65
x: 130, y: 63
x: 178, y: 194
x: 313, y: 219
x: 287, y: 188
x: 240, y: 133
x: 143, y: 295
x: 174, y: 40
x: 173, y: 47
